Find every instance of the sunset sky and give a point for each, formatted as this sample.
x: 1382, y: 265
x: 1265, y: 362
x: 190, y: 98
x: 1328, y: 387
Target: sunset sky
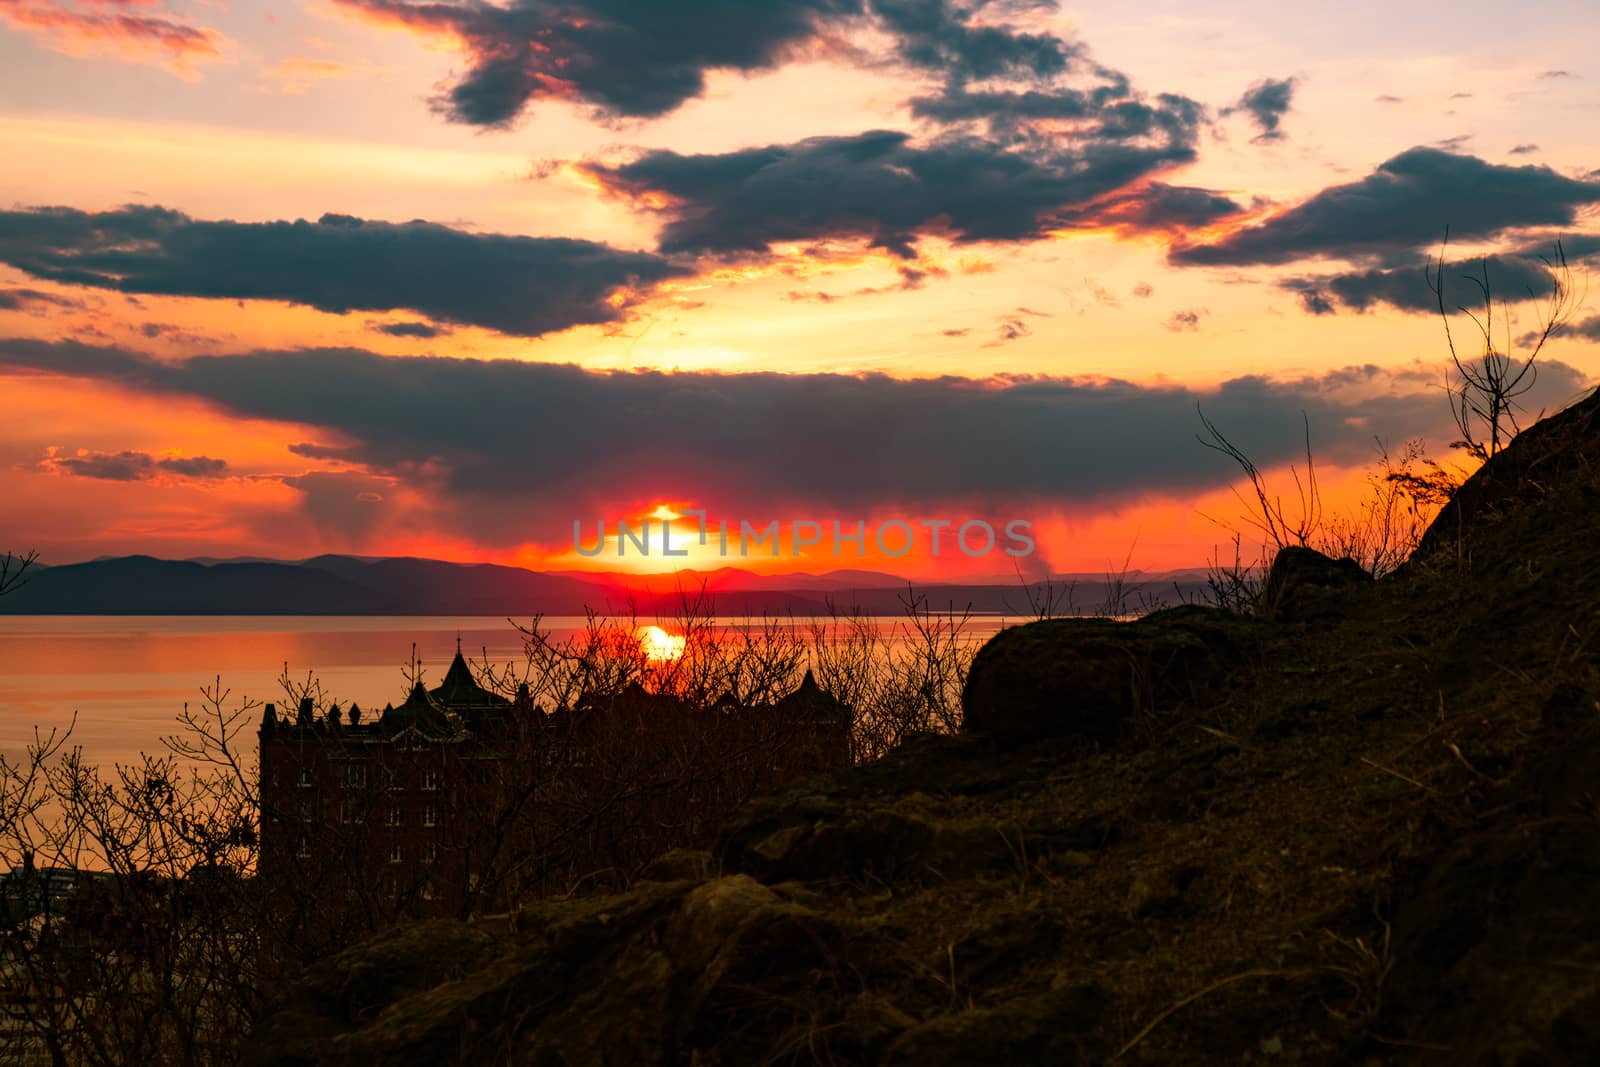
x: 442, y: 277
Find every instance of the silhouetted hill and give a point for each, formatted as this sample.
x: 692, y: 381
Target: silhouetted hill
x: 142, y: 585
x: 350, y: 585
x: 1372, y: 840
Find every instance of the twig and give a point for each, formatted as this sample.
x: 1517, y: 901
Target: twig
x: 1192, y: 997
x: 1397, y: 774
x: 1451, y: 745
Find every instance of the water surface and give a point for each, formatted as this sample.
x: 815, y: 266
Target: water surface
x: 127, y: 677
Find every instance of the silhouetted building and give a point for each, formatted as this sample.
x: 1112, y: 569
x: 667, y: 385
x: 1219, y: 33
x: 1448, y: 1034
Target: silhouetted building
x: 459, y: 798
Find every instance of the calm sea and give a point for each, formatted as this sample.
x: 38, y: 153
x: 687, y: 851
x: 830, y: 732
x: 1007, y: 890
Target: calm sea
x: 127, y: 677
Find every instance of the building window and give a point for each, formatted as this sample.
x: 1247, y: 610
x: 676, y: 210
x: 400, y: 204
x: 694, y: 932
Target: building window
x: 394, y: 854
x: 393, y: 818
x: 304, y: 781
x: 355, y: 775
x: 477, y: 774
x: 430, y: 779
x: 352, y: 812
x: 430, y: 852
x: 391, y: 779
x: 430, y: 816
x: 427, y: 890
x: 303, y: 850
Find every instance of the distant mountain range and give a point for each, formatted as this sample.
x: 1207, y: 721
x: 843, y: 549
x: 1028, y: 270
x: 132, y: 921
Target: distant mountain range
x: 351, y: 585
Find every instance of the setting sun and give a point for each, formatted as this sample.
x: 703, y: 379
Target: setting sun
x: 660, y: 645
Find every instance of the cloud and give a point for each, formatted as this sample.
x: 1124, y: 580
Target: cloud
x: 1153, y: 208
x: 33, y: 299
x: 344, y: 504
x: 315, y: 451
x: 639, y: 58
x: 1266, y: 102
x: 1588, y: 329
x: 194, y: 466
x: 1524, y: 149
x: 534, y: 446
x: 1405, y: 204
x: 1031, y: 134
x: 423, y: 330
x: 813, y: 296
x: 646, y: 58
x: 87, y: 27
x: 1010, y: 328
x: 1187, y: 319
x: 526, y: 286
x: 882, y: 188
x: 134, y: 466
x: 1519, y: 274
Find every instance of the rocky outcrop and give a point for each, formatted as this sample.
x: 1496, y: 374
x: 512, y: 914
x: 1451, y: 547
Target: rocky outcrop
x: 1092, y: 678
x: 1562, y: 449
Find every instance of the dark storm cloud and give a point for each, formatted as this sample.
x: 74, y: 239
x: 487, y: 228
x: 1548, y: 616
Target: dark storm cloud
x: 135, y: 466
x: 880, y: 187
x: 645, y: 58
x: 1266, y: 102
x: 512, y: 451
x: 1406, y: 204
x: 526, y: 286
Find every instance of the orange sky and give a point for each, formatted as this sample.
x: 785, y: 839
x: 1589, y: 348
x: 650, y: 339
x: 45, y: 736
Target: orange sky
x: 823, y: 232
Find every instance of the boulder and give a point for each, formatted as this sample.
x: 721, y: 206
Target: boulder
x: 1304, y: 584
x: 1090, y: 678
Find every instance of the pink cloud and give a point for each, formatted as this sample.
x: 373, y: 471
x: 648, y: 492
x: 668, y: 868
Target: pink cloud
x: 133, y: 30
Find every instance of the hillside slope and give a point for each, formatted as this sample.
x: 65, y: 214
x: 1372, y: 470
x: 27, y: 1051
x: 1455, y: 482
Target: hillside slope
x: 1379, y: 842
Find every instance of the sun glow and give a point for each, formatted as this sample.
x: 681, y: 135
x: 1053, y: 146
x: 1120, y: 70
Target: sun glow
x: 660, y: 645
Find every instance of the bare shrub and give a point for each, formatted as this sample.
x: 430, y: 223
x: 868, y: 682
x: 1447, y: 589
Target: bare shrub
x: 1486, y: 389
